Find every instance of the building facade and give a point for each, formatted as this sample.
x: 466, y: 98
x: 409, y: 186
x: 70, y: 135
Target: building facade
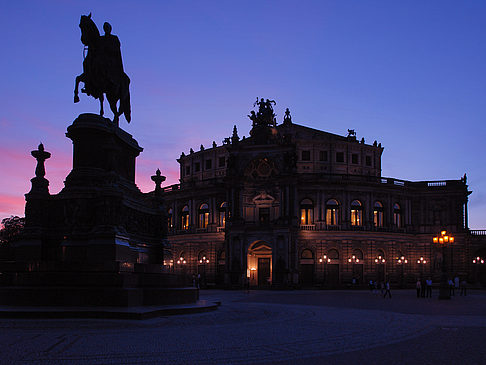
x: 292, y: 206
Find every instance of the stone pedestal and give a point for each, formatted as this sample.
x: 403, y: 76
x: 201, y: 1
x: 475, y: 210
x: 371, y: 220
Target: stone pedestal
x: 100, y: 240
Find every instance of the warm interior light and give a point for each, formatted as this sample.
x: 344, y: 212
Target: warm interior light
x: 451, y: 239
x: 443, y: 233
x: 436, y: 240
x: 441, y: 240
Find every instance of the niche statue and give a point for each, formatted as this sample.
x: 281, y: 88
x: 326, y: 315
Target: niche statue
x: 103, y: 69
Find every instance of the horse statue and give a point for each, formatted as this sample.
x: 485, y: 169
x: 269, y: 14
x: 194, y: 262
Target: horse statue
x: 103, y: 69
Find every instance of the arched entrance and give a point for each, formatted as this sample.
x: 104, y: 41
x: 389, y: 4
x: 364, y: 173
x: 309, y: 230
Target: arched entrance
x: 259, y: 260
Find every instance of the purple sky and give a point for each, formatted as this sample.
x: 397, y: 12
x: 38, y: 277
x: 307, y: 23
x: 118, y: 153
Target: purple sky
x: 410, y: 74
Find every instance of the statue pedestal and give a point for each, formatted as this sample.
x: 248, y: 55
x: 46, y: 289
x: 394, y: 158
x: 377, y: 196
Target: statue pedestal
x: 100, y: 240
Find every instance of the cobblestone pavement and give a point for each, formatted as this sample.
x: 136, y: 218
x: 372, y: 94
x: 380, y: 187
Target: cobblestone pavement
x: 291, y: 327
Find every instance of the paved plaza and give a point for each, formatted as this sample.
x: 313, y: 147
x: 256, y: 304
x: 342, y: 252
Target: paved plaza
x: 267, y: 327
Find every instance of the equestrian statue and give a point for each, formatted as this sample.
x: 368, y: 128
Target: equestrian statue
x: 103, y: 69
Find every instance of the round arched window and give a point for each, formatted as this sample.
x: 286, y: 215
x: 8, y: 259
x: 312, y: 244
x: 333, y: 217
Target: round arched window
x: 332, y: 212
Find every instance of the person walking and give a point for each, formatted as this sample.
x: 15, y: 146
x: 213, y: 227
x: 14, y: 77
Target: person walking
x: 463, y: 286
x: 429, y: 288
x: 423, y: 286
x: 387, y: 289
x: 456, y: 283
x: 451, y: 287
x: 418, y: 286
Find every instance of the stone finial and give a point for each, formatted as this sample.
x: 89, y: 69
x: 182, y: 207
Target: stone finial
x: 191, y: 151
x: 235, y: 138
x: 202, y: 148
x: 214, y: 144
x: 39, y: 183
x: 158, y: 179
x: 40, y: 155
x: 287, y: 117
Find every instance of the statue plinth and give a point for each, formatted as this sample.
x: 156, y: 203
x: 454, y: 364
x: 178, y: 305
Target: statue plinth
x: 100, y: 240
x: 102, y: 153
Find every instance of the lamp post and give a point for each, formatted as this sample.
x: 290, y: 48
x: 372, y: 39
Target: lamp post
x: 400, y: 262
x: 380, y: 262
x: 443, y: 239
x: 324, y: 260
x: 477, y: 262
x: 421, y: 263
x: 203, y: 261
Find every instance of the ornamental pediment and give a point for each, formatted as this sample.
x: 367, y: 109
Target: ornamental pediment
x: 263, y: 199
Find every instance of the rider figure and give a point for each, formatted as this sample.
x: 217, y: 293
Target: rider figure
x: 110, y: 55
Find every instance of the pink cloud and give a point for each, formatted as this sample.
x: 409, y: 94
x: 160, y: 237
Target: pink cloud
x: 11, y: 205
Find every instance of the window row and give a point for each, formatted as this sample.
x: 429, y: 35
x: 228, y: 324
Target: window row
x: 202, y: 216
x: 356, y: 213
x: 339, y: 157
x: 207, y: 165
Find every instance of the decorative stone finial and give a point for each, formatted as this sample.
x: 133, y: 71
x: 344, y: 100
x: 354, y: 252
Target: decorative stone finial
x: 235, y: 138
x: 39, y: 183
x: 202, y: 148
x: 214, y: 144
x: 287, y: 117
x: 158, y: 179
x: 40, y: 155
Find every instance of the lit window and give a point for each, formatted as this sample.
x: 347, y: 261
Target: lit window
x: 185, y: 218
x: 356, y: 213
x: 378, y: 214
x: 332, y: 210
x: 222, y: 214
x: 306, y: 212
x: 203, y: 215
x: 170, y: 220
x: 397, y: 215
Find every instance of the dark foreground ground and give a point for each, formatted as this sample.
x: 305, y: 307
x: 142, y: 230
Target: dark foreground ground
x: 271, y: 327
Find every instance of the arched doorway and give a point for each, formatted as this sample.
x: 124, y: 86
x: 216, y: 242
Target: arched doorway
x: 307, y: 268
x: 259, y: 270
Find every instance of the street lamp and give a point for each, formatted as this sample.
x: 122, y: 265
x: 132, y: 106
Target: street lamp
x: 401, y: 261
x: 478, y: 261
x: 443, y: 239
x: 324, y: 260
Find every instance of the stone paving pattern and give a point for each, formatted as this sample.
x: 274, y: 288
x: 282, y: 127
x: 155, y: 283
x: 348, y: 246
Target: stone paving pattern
x: 279, y: 327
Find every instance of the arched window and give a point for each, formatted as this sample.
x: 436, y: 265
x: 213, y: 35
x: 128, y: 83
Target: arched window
x: 306, y: 254
x: 306, y: 211
x: 333, y: 254
x: 358, y: 255
x: 185, y: 218
x: 170, y: 220
x: 332, y: 212
x: 203, y: 258
x: 222, y: 214
x: 356, y: 213
x: 397, y: 215
x: 203, y: 213
x: 378, y: 214
x: 181, y: 260
x: 380, y: 257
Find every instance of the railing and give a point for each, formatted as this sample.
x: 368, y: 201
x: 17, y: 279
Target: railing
x: 220, y: 229
x: 436, y: 183
x: 308, y: 227
x: 478, y: 232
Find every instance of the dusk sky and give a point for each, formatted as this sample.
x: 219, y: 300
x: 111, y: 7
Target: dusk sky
x: 409, y: 74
